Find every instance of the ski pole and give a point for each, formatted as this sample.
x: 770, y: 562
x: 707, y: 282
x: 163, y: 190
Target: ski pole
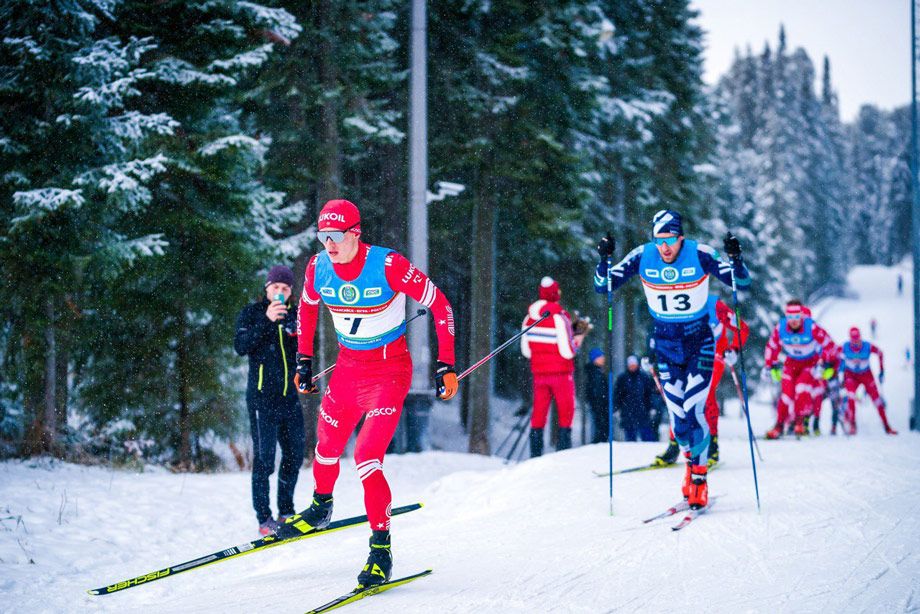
x: 612, y: 245
x: 744, y: 396
x: 519, y: 425
x: 514, y: 446
x: 658, y: 385
x: 492, y: 354
x: 743, y: 408
x: 418, y: 314
x: 522, y: 453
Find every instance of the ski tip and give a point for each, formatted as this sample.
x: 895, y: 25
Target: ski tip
x: 92, y: 591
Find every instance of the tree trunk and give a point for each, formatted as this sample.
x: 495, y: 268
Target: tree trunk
x: 32, y: 396
x: 49, y: 422
x: 392, y: 200
x: 62, y: 397
x: 330, y: 178
x: 184, y: 393
x: 481, y: 324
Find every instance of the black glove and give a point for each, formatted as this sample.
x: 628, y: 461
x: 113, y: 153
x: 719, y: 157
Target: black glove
x: 445, y: 381
x: 606, y: 246
x: 731, y: 246
x: 303, y: 376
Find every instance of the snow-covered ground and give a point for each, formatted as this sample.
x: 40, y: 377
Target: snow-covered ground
x: 839, y: 530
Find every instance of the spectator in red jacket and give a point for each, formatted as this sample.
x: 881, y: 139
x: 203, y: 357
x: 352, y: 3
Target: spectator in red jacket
x: 551, y: 348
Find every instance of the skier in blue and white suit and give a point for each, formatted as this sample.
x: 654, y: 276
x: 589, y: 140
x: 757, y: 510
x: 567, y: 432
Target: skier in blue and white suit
x: 675, y: 276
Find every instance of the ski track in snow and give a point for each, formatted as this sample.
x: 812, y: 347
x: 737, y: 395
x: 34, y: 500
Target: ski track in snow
x: 839, y: 530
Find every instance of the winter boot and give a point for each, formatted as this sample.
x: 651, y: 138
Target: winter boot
x: 884, y: 416
x: 315, y: 517
x: 775, y: 433
x: 268, y: 527
x: 536, y: 443
x: 379, y: 564
x: 669, y: 456
x: 699, y: 489
x: 849, y: 421
x: 713, y: 451
x: 564, y: 439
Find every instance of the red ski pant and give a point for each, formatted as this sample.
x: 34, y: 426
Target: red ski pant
x: 547, y: 386
x: 852, y: 381
x: 375, y: 389
x: 712, y: 406
x: 820, y: 391
x: 798, y: 389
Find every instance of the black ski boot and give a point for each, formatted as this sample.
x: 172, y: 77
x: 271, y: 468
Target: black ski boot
x: 669, y: 456
x: 815, y: 427
x: 317, y: 516
x: 379, y: 564
x: 564, y: 439
x: 713, y: 451
x: 536, y: 443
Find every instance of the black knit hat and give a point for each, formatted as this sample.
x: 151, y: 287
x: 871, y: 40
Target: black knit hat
x: 280, y: 274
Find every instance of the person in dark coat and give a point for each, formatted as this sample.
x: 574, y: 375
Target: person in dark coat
x: 633, y: 394
x: 266, y: 332
x: 596, y: 392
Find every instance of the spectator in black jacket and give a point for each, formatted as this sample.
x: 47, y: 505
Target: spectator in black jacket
x: 266, y: 332
x: 633, y: 394
x: 596, y: 389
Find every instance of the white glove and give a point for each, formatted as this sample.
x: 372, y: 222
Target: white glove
x: 731, y: 357
x: 645, y: 364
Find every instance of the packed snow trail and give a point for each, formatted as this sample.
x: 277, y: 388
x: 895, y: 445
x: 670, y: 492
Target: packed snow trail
x: 839, y: 532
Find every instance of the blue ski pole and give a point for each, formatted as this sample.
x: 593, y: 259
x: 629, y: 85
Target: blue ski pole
x: 611, y: 244
x: 741, y: 368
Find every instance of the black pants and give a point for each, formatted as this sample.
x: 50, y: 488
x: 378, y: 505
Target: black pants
x: 600, y: 418
x: 277, y: 423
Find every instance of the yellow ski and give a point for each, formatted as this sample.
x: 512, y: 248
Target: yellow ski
x: 361, y: 593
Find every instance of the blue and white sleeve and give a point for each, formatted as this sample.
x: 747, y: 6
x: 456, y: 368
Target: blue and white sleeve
x: 620, y: 273
x: 713, y: 264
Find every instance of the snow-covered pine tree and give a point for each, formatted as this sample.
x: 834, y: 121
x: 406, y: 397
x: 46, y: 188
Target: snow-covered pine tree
x: 653, y: 135
x: 159, y: 335
x: 779, y: 176
x: 75, y: 165
x: 509, y: 86
x: 879, y: 202
x: 333, y: 105
x: 830, y: 187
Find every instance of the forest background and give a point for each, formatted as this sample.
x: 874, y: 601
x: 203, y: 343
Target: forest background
x: 157, y: 157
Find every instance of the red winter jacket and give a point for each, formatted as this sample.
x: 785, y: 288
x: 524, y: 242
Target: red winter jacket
x: 550, y: 345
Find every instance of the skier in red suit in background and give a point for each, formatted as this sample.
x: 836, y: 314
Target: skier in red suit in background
x: 802, y: 340
x: 858, y: 372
